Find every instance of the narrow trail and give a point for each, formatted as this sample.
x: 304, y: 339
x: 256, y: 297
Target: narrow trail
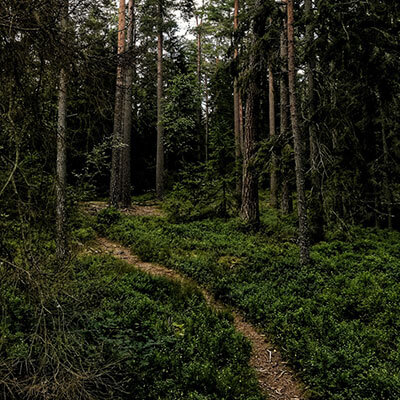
x: 276, y: 380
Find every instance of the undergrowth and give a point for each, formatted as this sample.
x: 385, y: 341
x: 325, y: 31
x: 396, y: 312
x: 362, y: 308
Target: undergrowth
x: 102, y: 330
x: 337, y: 319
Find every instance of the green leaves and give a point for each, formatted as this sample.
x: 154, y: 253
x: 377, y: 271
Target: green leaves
x: 337, y: 319
x: 163, y: 339
x: 180, y: 113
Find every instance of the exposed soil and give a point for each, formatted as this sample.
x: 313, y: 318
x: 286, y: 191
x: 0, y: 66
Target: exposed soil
x: 148, y: 209
x: 277, y: 381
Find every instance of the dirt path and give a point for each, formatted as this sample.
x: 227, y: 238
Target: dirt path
x: 148, y: 209
x: 276, y: 380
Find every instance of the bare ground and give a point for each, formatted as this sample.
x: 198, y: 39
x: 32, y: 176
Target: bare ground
x: 146, y: 210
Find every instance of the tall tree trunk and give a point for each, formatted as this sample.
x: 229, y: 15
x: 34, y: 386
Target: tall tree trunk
x: 62, y: 152
x: 199, y: 50
x: 207, y: 117
x: 273, y: 174
x: 249, y: 211
x: 298, y: 145
x: 310, y: 66
x: 127, y: 111
x: 284, y: 131
x: 241, y: 126
x: 115, y: 182
x: 160, y: 126
x: 386, y: 188
x: 316, y: 214
x: 236, y: 105
x: 199, y: 25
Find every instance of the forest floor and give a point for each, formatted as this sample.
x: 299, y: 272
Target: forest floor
x: 276, y: 380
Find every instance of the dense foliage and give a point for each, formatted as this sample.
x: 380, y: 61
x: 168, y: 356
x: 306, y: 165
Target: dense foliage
x: 107, y: 331
x: 336, y: 319
x: 73, y: 327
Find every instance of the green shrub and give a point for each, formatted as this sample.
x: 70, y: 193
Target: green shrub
x: 107, y: 217
x: 84, y: 235
x: 337, y: 319
x: 200, y: 194
x: 105, y: 330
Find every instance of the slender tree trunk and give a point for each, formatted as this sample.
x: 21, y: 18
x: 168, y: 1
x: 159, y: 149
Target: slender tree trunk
x: 316, y: 214
x: 207, y: 116
x: 127, y: 111
x: 298, y: 145
x: 199, y: 50
x: 310, y: 66
x: 284, y: 131
x: 241, y: 124
x: 199, y: 25
x: 160, y: 127
x: 236, y: 106
x: 62, y: 153
x: 273, y: 174
x: 115, y: 181
x: 386, y: 187
x: 249, y: 211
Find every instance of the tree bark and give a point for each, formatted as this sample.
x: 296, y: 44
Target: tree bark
x: 207, y: 117
x: 249, y: 211
x: 115, y: 181
x: 199, y: 52
x: 236, y: 106
x: 199, y: 25
x: 298, y: 145
x: 284, y: 132
x: 61, y: 248
x: 386, y: 186
x: 160, y: 127
x: 241, y: 126
x: 273, y: 174
x: 316, y: 214
x: 310, y: 66
x: 125, y: 168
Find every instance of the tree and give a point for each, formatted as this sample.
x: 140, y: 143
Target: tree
x: 272, y: 128
x: 310, y: 66
x: 125, y: 168
x: 249, y: 211
x: 298, y: 145
x: 284, y: 123
x: 237, y: 103
x: 62, y: 149
x: 199, y: 31
x: 115, y: 182
x: 207, y: 121
x: 316, y: 211
x: 160, y: 126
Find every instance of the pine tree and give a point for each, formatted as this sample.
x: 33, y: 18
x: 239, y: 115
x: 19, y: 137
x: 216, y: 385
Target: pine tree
x: 160, y: 127
x: 62, y: 150
x: 125, y: 169
x: 298, y: 145
x: 284, y: 123
x: 199, y: 15
x: 115, y: 181
x: 273, y: 174
x: 249, y: 211
x: 237, y: 103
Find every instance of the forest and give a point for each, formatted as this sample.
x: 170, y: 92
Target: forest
x: 199, y: 199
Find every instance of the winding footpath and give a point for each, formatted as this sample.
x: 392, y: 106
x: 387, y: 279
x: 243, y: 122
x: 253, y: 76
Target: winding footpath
x: 276, y: 380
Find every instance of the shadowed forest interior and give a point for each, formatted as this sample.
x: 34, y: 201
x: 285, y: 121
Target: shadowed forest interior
x: 171, y: 167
